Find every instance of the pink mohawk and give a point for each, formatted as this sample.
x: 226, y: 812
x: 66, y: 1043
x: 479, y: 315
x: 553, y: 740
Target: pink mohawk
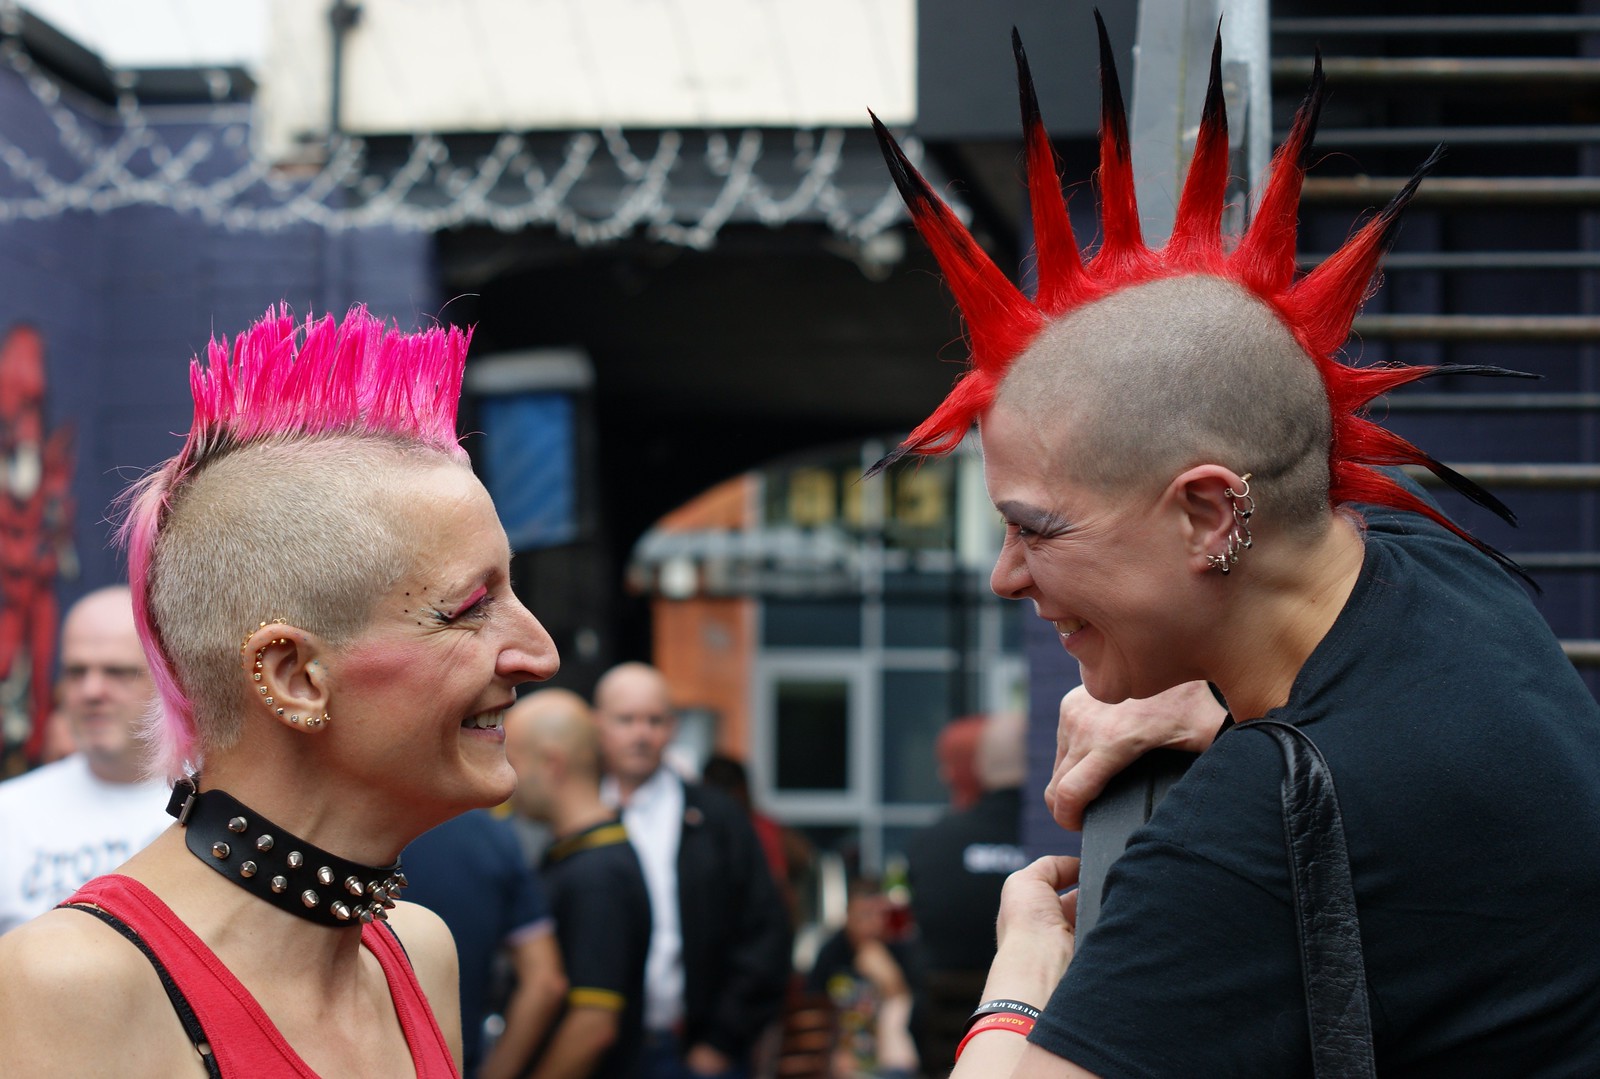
x: 280, y: 381
x: 1318, y: 309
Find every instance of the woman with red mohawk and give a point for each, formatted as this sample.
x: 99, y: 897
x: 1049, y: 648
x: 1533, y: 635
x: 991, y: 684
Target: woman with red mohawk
x: 323, y: 592
x: 1188, y: 483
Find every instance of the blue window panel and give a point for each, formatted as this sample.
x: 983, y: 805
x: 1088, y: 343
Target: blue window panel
x: 529, y: 467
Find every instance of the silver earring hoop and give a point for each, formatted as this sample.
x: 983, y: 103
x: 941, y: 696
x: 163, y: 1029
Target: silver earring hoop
x: 1243, y: 506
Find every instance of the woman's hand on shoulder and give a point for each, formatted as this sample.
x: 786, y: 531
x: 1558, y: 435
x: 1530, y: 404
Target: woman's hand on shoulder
x: 1095, y: 741
x: 78, y: 999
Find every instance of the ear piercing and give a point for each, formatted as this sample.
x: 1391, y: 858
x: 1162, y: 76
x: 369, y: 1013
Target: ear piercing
x: 312, y: 722
x: 1239, y: 539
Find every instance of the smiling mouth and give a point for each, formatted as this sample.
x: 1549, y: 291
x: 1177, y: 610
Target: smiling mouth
x: 1066, y: 627
x: 487, y: 721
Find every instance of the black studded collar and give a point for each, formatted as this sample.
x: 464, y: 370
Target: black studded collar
x: 275, y: 865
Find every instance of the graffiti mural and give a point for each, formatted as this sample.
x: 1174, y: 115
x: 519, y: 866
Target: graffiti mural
x: 35, y: 544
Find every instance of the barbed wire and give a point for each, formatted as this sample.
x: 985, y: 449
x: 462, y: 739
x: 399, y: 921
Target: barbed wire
x: 211, y: 169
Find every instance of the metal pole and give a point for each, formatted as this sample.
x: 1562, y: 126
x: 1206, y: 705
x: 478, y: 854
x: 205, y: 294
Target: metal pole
x: 1170, y: 75
x: 1169, y: 86
x: 342, y: 16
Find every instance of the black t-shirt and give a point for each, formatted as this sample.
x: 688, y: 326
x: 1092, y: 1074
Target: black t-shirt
x: 471, y: 872
x: 602, y: 911
x: 958, y: 866
x: 1466, y: 755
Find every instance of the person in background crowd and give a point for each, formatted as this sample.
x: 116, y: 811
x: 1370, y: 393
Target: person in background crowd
x: 956, y: 750
x: 57, y: 741
x: 789, y: 853
x: 87, y: 813
x: 526, y: 807
x: 597, y: 889
x: 323, y: 591
x: 867, y: 977
x: 470, y: 871
x: 719, y: 946
x: 957, y: 867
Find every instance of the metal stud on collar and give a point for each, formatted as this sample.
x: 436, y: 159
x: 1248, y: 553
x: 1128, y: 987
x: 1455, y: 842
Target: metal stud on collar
x: 300, y: 879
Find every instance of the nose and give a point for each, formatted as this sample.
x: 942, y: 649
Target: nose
x: 92, y: 684
x: 1009, y: 578
x: 529, y: 654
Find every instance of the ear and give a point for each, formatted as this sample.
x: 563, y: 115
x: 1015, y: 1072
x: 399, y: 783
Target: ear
x: 1205, y: 508
x: 287, y: 675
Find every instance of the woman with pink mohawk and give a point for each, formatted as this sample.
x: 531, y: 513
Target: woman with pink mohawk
x: 323, y: 591
x: 1193, y: 492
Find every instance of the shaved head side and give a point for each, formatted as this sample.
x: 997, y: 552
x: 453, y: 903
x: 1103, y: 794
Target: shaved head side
x: 555, y: 719
x: 1003, y: 751
x: 312, y: 532
x: 1133, y: 389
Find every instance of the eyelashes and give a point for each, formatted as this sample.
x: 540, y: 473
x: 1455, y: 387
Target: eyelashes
x: 476, y: 608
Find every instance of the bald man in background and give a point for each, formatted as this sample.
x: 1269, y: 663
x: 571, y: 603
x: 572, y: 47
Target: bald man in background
x: 719, y: 950
x: 596, y: 888
x: 85, y: 814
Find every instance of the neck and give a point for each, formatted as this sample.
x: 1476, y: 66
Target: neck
x: 579, y: 809
x: 339, y: 817
x: 113, y: 769
x: 627, y: 788
x: 1285, y: 616
x: 282, y: 869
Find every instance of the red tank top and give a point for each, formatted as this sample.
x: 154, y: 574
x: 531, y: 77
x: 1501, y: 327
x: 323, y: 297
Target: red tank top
x: 241, y: 1036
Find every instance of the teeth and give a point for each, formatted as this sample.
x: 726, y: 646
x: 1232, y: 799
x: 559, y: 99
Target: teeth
x: 487, y: 720
x: 1068, y: 626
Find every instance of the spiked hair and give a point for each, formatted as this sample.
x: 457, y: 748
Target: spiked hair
x: 281, y: 385
x: 1317, y: 309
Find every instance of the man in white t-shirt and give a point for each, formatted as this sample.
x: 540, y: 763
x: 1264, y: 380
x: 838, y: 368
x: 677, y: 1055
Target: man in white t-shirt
x: 84, y: 815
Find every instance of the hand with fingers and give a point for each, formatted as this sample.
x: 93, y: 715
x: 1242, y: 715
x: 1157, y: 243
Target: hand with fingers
x: 1034, y: 933
x: 1095, y: 741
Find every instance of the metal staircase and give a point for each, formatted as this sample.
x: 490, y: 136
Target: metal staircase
x: 1499, y: 259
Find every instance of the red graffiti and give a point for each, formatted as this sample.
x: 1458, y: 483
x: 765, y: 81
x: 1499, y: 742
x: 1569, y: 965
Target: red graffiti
x: 35, y: 540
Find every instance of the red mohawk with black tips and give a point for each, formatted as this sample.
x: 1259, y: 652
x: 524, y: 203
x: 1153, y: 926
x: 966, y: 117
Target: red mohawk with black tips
x: 1318, y: 309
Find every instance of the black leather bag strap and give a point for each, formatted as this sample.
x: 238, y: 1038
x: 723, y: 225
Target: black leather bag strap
x: 1331, y: 963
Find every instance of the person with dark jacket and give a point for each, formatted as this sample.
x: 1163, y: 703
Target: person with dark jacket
x: 958, y: 865
x: 719, y: 946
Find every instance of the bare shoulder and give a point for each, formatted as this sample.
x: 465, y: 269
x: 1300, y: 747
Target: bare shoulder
x: 428, y: 944
x: 432, y: 950
x: 78, y: 999
x: 420, y: 929
x: 67, y: 959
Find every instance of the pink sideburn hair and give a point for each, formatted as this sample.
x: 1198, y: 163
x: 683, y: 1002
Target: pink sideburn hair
x: 279, y: 382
